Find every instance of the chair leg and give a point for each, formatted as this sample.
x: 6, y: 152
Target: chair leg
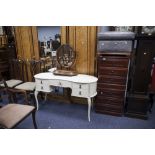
x: 33, y: 99
x: 151, y: 101
x: 1, y: 98
x: 34, y: 119
x: 14, y: 98
x: 42, y: 96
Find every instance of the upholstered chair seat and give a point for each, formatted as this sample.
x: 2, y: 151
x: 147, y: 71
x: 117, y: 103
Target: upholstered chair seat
x: 27, y: 86
x: 12, y: 114
x: 12, y: 83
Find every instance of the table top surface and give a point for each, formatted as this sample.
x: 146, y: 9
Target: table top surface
x: 80, y: 78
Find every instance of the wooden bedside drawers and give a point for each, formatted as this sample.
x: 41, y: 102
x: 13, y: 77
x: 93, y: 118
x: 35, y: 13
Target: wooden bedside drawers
x: 112, y: 82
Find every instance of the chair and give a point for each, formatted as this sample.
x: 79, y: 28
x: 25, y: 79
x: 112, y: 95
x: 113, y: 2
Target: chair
x: 12, y: 114
x: 17, y: 77
x: 16, y: 70
x: 28, y: 88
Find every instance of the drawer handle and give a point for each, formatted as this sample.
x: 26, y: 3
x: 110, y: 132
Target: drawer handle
x: 59, y: 83
x: 79, y: 92
x: 80, y: 86
x: 104, y: 59
x: 41, y: 82
x: 41, y: 87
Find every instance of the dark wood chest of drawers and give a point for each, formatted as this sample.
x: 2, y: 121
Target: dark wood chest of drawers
x: 112, y: 82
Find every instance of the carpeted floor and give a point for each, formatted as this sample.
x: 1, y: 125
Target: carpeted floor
x: 58, y: 115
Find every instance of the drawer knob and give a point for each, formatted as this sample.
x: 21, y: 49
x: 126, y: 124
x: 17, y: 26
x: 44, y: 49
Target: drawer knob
x: 112, y: 71
x: 101, y: 92
x: 104, y: 59
x: 116, y: 43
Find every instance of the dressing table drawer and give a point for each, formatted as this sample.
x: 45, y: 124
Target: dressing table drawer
x: 60, y: 83
x: 78, y: 86
x: 41, y: 82
x: 80, y: 92
x: 43, y: 85
x: 44, y: 88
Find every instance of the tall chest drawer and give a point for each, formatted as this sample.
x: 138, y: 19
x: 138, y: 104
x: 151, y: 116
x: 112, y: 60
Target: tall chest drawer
x: 111, y: 92
x: 112, y: 71
x: 113, y: 61
x: 112, y: 79
x: 111, y: 86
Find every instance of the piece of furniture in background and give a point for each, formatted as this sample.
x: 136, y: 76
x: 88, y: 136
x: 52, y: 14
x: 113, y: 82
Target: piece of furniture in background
x: 17, y: 68
x: 83, y: 86
x: 6, y: 55
x: 137, y: 105
x: 28, y: 87
x: 17, y: 77
x: 12, y: 114
x: 138, y: 102
x: 151, y: 89
x: 143, y: 63
x: 112, y: 84
x: 7, y: 50
x: 114, y: 50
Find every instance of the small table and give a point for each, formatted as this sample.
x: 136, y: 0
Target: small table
x: 81, y: 85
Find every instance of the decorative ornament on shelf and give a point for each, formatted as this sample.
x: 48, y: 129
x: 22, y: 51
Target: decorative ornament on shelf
x: 124, y: 28
x: 66, y: 57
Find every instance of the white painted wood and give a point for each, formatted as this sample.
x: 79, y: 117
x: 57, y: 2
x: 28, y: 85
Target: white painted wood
x: 36, y: 94
x: 89, y: 107
x: 82, y: 85
x: 80, y: 78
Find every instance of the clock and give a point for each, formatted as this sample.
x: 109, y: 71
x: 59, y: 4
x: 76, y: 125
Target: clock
x: 149, y: 30
x: 145, y: 31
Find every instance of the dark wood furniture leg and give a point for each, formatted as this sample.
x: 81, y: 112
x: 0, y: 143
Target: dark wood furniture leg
x: 34, y: 119
x: 151, y: 95
x: 1, y: 98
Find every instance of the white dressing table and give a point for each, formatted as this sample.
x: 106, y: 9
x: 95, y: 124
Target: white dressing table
x: 81, y: 85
